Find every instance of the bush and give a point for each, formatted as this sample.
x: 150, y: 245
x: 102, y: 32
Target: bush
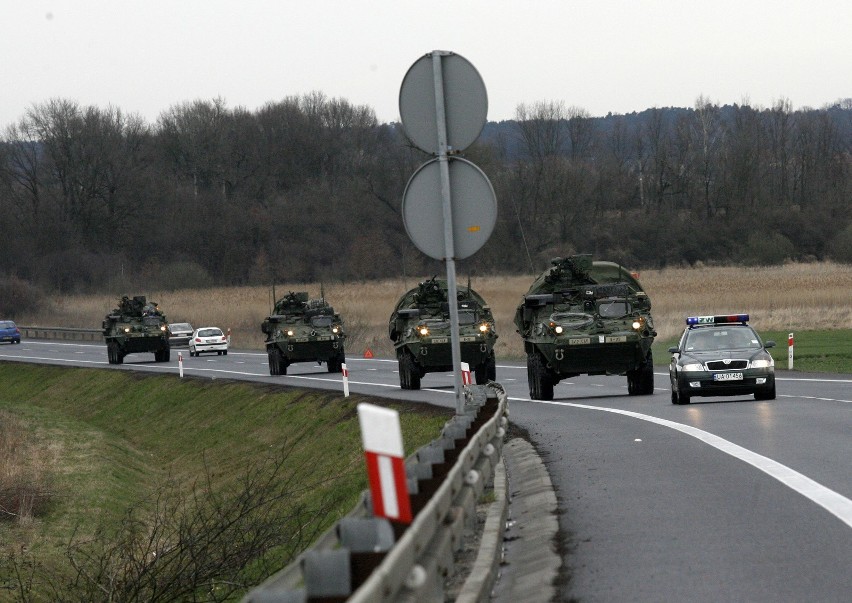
x: 183, y: 275
x: 18, y: 297
x: 840, y: 248
x: 767, y: 249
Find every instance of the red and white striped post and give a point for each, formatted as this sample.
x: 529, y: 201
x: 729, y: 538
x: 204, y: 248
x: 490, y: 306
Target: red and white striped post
x: 180, y: 364
x: 345, y: 372
x: 790, y: 351
x: 383, y: 451
x: 466, y: 376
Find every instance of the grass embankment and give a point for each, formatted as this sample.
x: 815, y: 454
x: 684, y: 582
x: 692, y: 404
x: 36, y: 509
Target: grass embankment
x: 796, y: 297
x: 110, y: 439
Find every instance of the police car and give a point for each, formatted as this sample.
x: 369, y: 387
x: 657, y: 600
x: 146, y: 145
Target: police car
x: 721, y: 356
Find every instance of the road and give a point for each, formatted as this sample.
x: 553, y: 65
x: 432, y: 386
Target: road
x: 724, y: 499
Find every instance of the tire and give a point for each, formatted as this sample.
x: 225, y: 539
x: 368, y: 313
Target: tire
x: 335, y: 365
x: 487, y: 371
x: 682, y: 397
x: 409, y: 374
x: 765, y: 394
x: 224, y: 352
x: 541, y: 384
x: 640, y: 382
x: 275, y: 362
x: 112, y: 353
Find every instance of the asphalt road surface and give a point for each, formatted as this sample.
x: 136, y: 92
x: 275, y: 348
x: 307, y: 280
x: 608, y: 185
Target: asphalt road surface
x: 726, y: 499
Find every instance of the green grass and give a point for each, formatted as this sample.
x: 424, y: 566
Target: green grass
x: 116, y: 436
x: 814, y: 351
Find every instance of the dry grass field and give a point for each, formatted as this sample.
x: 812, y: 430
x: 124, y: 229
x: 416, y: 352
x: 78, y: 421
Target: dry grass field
x: 792, y: 297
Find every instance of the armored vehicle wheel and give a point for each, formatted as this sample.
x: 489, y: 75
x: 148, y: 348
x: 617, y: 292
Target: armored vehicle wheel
x: 641, y: 381
x: 277, y: 363
x: 487, y: 371
x: 113, y: 353
x: 409, y: 374
x: 335, y: 365
x: 541, y: 384
x: 162, y: 355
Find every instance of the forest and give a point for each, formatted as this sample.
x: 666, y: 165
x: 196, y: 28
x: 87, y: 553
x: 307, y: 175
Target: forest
x: 309, y: 188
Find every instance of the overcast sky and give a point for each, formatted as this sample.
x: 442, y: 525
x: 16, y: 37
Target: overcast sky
x: 144, y: 56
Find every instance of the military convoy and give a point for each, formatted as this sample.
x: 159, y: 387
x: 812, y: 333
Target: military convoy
x: 586, y: 317
x: 420, y: 330
x: 303, y: 330
x: 136, y: 326
x: 578, y: 317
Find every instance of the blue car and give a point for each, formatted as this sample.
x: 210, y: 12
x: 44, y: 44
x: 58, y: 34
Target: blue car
x: 9, y: 332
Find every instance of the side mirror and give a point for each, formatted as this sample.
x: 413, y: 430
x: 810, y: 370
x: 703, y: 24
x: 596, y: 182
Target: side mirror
x: 768, y: 344
x: 674, y: 350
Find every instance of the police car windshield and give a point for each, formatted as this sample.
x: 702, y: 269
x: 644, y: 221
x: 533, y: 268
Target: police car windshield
x: 717, y: 338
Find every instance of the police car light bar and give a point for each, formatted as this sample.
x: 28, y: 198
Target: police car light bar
x: 717, y: 319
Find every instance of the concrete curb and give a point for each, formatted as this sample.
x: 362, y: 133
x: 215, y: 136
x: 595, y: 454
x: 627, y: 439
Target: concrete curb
x: 484, y: 571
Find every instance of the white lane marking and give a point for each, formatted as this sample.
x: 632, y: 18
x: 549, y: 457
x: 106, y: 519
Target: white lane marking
x: 833, y: 502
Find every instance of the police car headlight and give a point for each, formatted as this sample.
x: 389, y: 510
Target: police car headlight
x: 762, y: 363
x: 692, y: 368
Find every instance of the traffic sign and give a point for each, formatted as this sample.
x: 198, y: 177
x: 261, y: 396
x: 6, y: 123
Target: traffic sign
x: 465, y: 102
x: 474, y: 208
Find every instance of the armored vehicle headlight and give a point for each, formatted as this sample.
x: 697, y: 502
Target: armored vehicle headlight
x: 691, y: 368
x: 423, y: 330
x: 483, y: 327
x: 558, y: 329
x: 638, y: 323
x: 127, y: 329
x: 335, y: 329
x: 162, y: 327
x: 290, y: 332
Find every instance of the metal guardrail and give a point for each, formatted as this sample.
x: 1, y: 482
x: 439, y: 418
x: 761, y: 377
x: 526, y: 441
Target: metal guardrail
x: 365, y: 559
x: 62, y: 333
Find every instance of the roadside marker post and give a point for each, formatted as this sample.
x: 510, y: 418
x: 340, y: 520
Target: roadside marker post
x: 345, y: 372
x: 180, y: 364
x: 790, y: 352
x: 383, y: 451
x: 466, y: 376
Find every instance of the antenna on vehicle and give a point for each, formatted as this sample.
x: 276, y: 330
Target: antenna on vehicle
x: 322, y: 291
x: 272, y: 311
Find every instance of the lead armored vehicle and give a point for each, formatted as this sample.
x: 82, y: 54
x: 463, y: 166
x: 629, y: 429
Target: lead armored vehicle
x: 584, y: 317
x: 420, y: 330
x: 136, y: 326
x: 303, y: 330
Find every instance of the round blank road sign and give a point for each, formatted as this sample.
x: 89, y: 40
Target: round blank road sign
x: 465, y: 103
x: 474, y: 208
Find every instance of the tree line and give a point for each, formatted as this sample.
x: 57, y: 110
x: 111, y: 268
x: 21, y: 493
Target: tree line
x: 310, y: 188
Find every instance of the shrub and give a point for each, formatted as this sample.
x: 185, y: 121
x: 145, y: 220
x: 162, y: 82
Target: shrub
x: 18, y: 297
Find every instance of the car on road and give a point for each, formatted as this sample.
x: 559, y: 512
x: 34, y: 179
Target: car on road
x: 9, y: 331
x: 721, y: 355
x: 208, y: 339
x: 179, y: 333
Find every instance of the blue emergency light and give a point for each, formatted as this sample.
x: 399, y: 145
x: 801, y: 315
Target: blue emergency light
x: 717, y: 319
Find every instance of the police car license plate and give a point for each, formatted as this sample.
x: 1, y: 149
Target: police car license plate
x: 439, y: 340
x: 728, y: 377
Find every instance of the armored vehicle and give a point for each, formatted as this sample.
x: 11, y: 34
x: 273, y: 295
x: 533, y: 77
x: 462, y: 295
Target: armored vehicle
x: 136, y: 326
x: 303, y: 330
x: 586, y: 317
x: 420, y: 330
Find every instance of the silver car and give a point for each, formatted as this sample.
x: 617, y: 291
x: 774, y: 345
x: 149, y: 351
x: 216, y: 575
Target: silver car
x: 179, y: 334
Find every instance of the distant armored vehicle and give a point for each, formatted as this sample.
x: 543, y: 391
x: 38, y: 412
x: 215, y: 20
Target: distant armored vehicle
x: 420, y: 329
x: 303, y: 330
x: 136, y: 326
x: 586, y: 317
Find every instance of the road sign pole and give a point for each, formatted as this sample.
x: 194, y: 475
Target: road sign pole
x: 449, y: 250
